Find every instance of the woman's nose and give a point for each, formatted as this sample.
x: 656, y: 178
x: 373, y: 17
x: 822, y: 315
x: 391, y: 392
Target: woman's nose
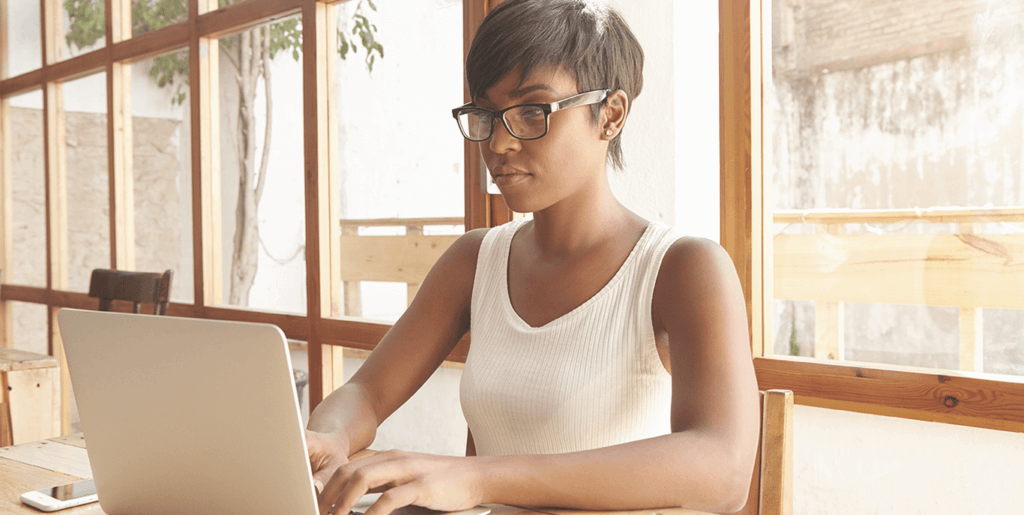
x: 501, y: 141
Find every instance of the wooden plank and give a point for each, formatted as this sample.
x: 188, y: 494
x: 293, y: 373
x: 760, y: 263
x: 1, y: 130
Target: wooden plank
x: 75, y: 440
x: 23, y: 83
x: 377, y: 222
x: 4, y: 48
x: 204, y: 98
x: 363, y: 334
x: 477, y: 201
x: 404, y: 259
x: 6, y: 206
x: 741, y: 208
x: 15, y: 359
x: 155, y: 43
x: 332, y: 246
x: 353, y: 295
x: 951, y: 397
x: 17, y: 478
x: 64, y: 381
x: 829, y: 331
x: 971, y: 341
x: 776, y: 493
x: 119, y: 160
x: 50, y: 32
x: 317, y: 177
x: 30, y: 396
x: 959, y: 270
x: 57, y: 457
x: 6, y: 438
x: 892, y: 216
x: 244, y: 15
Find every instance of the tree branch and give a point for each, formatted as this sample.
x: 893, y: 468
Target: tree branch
x: 265, y: 158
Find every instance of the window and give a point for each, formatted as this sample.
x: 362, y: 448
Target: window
x: 857, y: 116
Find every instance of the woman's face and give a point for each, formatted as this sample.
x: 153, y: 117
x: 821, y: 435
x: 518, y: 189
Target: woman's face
x: 564, y: 164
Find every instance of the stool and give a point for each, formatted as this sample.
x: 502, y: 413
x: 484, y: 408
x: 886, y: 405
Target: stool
x: 30, y: 400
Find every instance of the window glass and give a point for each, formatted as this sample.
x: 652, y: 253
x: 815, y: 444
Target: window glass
x: 401, y: 153
x: 84, y: 26
x: 28, y: 178
x: 30, y: 327
x: 157, y: 14
x: 24, y: 45
x: 897, y: 182
x: 88, y: 182
x: 162, y: 170
x: 262, y: 164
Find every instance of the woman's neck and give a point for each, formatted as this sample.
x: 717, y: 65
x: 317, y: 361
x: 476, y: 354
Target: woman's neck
x: 583, y: 221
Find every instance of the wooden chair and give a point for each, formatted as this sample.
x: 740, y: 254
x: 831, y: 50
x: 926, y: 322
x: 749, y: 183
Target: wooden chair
x: 771, y: 491
x: 136, y: 287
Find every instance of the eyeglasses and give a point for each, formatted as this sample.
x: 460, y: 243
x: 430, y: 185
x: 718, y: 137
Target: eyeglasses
x: 524, y: 121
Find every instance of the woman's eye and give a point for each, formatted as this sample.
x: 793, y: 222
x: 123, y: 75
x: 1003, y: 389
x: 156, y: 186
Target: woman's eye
x: 532, y: 112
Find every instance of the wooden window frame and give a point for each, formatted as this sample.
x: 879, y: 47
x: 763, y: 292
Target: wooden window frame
x: 954, y: 397
x: 321, y: 327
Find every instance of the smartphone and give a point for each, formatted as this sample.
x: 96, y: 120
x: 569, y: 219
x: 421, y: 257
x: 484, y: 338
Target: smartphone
x: 60, y: 497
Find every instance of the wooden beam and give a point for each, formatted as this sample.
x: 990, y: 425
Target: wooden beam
x: 829, y: 331
x: 204, y: 97
x: 972, y: 341
x: 743, y: 197
x: 245, y: 15
x: 119, y: 161
x: 891, y: 216
x: 319, y: 226
x: 6, y: 212
x: 959, y: 270
x: 960, y: 398
x: 403, y: 259
x: 478, y: 209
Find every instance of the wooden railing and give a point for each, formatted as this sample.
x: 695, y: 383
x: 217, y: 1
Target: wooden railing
x: 968, y: 269
x: 404, y: 259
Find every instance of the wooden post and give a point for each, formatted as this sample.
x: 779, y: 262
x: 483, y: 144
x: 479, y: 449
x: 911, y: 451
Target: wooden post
x: 204, y: 94
x: 322, y: 208
x: 353, y: 298
x: 829, y: 339
x: 745, y: 208
x: 119, y: 141
x: 412, y: 288
x: 971, y: 327
x: 6, y: 194
x: 55, y: 162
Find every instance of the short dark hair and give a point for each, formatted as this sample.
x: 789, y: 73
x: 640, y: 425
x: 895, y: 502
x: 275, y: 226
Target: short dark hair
x: 586, y: 37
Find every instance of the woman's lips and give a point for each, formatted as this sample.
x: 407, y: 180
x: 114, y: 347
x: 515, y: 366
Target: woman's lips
x: 509, y: 179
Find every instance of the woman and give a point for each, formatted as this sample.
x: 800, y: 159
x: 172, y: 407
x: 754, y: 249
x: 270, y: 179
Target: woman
x: 610, y: 364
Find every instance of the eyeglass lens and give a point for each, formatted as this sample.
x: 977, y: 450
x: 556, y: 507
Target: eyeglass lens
x: 524, y: 122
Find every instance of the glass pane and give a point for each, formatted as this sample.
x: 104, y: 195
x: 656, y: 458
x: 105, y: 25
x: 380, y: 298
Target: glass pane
x: 25, y: 51
x: 84, y: 27
x: 30, y: 327
x: 263, y: 186
x: 153, y: 15
x: 85, y: 111
x: 898, y: 182
x: 29, y: 195
x: 162, y: 170
x: 401, y: 166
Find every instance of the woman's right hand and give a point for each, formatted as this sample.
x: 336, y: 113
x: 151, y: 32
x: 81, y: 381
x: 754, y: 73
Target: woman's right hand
x: 327, y: 452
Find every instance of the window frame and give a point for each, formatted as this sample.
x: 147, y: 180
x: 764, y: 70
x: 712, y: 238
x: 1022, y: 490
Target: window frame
x: 963, y: 398
x: 320, y: 327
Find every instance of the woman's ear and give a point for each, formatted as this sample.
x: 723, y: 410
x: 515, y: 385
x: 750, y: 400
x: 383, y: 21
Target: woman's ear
x: 613, y: 114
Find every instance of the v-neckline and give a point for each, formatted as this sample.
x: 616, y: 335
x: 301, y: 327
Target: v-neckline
x: 507, y: 296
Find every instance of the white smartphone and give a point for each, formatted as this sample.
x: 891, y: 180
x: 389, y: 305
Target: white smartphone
x: 61, y: 497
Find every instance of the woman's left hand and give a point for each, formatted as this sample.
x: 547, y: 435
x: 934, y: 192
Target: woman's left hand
x: 442, y: 483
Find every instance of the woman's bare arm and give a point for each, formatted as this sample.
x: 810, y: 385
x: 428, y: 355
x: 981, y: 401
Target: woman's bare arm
x: 408, y: 354
x: 706, y: 463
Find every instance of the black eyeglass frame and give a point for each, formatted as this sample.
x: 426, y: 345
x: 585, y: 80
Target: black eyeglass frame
x: 582, y: 99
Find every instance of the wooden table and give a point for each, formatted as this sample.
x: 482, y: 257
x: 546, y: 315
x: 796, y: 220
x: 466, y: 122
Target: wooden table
x: 29, y: 397
x: 48, y: 463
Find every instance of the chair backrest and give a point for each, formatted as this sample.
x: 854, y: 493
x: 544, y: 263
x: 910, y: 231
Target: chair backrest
x: 771, y: 490
x: 136, y: 287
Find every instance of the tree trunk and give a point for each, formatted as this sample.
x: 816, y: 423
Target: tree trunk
x: 246, y: 240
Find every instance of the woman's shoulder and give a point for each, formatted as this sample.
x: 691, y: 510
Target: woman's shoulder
x: 691, y: 263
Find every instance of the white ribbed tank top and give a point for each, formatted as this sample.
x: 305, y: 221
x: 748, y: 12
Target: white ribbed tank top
x: 591, y: 378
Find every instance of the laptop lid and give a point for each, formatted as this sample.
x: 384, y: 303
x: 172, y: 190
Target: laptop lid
x: 188, y: 416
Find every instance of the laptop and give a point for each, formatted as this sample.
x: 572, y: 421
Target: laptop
x: 190, y: 416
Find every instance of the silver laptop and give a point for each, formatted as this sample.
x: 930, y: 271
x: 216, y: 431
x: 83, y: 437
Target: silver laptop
x: 188, y: 416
